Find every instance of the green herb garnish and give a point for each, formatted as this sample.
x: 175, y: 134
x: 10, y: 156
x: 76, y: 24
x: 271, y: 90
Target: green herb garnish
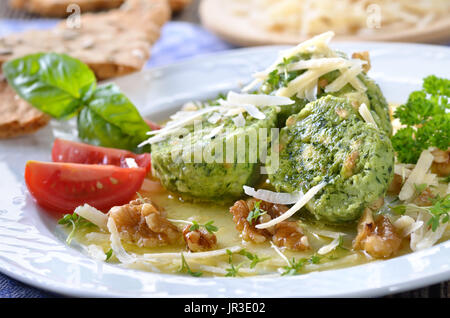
x: 76, y: 222
x: 255, y: 213
x: 186, y: 269
x: 63, y: 87
x: 439, y: 210
x: 253, y: 258
x: 208, y: 226
x: 419, y: 188
x: 341, y: 243
x: 233, y: 271
x: 426, y: 119
x: 315, y: 259
x: 108, y: 254
x: 295, y: 267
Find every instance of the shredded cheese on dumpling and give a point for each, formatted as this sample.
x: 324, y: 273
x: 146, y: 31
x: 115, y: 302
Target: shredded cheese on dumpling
x: 273, y: 197
x: 367, y: 115
x: 297, y: 206
x: 346, y: 76
x: 258, y: 99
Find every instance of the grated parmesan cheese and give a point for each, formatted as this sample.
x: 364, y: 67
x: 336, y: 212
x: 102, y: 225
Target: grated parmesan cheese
x: 329, y: 247
x: 280, y: 253
x: 297, y: 206
x: 214, y: 132
x: 93, y: 215
x: 131, y: 163
x: 116, y: 244
x: 367, y: 115
x: 196, y: 255
x: 96, y: 252
x: 273, y: 197
x: 239, y: 120
x: 319, y: 42
x: 347, y: 76
x: 258, y: 99
x: 407, y: 225
x: 424, y: 237
x: 417, y: 175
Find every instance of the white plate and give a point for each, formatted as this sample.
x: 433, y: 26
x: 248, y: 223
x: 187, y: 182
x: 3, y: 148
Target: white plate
x: 33, y: 251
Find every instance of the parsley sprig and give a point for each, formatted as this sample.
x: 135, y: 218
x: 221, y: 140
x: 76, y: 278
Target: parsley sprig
x: 108, y: 254
x: 208, y: 226
x: 439, y: 211
x: 426, y: 119
x: 77, y: 222
x: 295, y: 266
x: 186, y: 269
x: 253, y: 258
x: 233, y: 271
x: 255, y: 213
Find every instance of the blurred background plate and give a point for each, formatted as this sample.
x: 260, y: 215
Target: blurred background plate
x: 236, y: 26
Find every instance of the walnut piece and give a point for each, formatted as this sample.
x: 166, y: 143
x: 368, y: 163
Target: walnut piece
x: 424, y: 198
x: 142, y: 223
x: 396, y: 185
x: 240, y: 211
x: 441, y: 162
x: 365, y: 57
x: 290, y: 235
x: 378, y: 238
x: 284, y: 234
x: 199, y: 240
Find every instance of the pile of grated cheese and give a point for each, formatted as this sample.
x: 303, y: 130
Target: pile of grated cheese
x: 308, y: 17
x: 323, y: 61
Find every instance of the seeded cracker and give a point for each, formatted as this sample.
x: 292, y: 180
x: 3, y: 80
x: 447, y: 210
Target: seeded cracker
x: 59, y: 8
x: 113, y: 43
x: 17, y: 117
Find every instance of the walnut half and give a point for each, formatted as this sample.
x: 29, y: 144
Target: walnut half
x: 142, y: 223
x: 377, y: 237
x: 284, y: 234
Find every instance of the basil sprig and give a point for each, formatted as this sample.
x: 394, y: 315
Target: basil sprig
x: 63, y: 87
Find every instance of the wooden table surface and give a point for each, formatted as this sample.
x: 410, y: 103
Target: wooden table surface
x: 190, y: 14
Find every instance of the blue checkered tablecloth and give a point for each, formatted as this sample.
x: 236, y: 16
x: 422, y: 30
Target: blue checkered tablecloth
x: 178, y: 40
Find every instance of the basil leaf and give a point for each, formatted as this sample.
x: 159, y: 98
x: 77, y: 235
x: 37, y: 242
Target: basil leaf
x: 111, y: 120
x: 54, y: 83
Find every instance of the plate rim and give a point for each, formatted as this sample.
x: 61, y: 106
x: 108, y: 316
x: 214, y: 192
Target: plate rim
x: 419, y: 282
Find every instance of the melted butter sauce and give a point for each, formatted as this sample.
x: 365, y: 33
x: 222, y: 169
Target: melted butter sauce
x: 228, y: 236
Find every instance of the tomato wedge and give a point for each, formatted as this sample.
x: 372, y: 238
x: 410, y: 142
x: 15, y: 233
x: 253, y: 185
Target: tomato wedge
x: 77, y: 152
x: 61, y: 187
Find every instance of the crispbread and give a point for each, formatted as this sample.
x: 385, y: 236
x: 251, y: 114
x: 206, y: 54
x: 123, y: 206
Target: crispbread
x: 178, y: 5
x: 59, y: 8
x: 112, y: 43
x: 17, y: 117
